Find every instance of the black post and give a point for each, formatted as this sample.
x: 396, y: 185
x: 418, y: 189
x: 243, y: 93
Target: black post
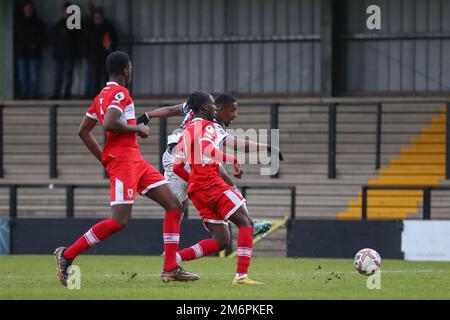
x: 274, y: 125
x: 70, y: 203
x: 327, y: 44
x: 162, y: 141
x: 364, y: 203
x: 447, y: 142
x: 332, y: 140
x: 378, y: 141
x: 53, y: 141
x: 426, y: 203
x: 13, y: 201
x: 274, y: 116
x: 2, y: 173
x: 293, y: 202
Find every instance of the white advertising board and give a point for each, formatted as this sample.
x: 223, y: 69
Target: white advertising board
x: 426, y: 240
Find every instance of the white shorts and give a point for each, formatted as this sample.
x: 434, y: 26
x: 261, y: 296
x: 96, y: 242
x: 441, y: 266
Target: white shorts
x: 177, y: 185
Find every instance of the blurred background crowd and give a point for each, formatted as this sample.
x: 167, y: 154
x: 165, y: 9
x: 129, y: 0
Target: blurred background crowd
x: 89, y: 45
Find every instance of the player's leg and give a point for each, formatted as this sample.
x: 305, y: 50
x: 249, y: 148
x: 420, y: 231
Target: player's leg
x: 171, y: 229
x: 154, y: 186
x: 171, y: 232
x: 122, y: 194
x: 231, y: 206
x: 220, y: 241
x: 245, y: 244
x: 178, y: 187
x: 120, y: 215
x: 100, y: 231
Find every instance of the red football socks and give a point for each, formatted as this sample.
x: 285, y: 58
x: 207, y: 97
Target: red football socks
x: 245, y: 249
x: 171, y: 231
x: 97, y: 233
x: 201, y: 249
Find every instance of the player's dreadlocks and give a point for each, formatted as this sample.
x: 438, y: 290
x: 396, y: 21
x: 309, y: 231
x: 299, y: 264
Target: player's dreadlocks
x: 198, y: 99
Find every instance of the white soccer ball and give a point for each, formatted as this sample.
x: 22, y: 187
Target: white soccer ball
x: 367, y: 261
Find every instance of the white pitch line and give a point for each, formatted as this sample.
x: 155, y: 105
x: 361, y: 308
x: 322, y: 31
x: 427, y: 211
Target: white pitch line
x: 286, y: 273
x: 128, y: 275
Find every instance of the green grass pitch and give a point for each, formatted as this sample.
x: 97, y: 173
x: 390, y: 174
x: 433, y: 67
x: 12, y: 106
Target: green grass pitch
x: 137, y: 277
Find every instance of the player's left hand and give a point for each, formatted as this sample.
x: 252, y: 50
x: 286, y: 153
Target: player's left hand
x: 144, y: 119
x: 237, y: 171
x: 144, y: 131
x: 271, y: 149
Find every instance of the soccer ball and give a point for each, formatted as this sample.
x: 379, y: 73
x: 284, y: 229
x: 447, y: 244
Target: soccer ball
x: 367, y: 261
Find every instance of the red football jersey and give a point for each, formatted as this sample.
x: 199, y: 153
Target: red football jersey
x: 199, y: 147
x: 118, y: 146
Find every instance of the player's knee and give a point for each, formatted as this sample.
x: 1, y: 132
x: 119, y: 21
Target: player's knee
x: 123, y: 220
x: 175, y: 205
x: 247, y: 222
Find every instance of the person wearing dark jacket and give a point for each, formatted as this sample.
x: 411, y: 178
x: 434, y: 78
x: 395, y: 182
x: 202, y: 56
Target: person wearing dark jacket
x: 65, y: 44
x: 103, y: 40
x: 29, y: 39
x: 86, y: 29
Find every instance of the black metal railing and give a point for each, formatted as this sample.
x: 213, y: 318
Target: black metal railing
x: 291, y: 188
x: 70, y: 194
x: 426, y: 197
x: 53, y: 136
x: 53, y: 143
x: 332, y: 133
x: 333, y: 108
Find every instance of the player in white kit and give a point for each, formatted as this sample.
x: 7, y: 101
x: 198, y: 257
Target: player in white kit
x: 226, y: 114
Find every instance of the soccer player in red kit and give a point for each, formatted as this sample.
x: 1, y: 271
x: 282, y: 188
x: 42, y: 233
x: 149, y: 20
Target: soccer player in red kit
x: 209, y: 187
x: 129, y: 173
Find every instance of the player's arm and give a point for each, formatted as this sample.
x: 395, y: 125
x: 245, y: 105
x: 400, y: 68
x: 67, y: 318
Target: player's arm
x: 249, y: 146
x: 209, y: 150
x: 179, y: 167
x: 238, y: 144
x: 113, y: 124
x: 164, y: 112
x: 224, y: 174
x: 85, y: 133
x: 179, y: 163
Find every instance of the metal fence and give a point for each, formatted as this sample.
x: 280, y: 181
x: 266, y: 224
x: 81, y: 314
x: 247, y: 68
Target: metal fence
x: 70, y: 194
x: 333, y: 108
x: 426, y: 197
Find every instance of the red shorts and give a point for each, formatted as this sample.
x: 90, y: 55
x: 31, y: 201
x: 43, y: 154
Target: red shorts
x: 217, y: 203
x: 128, y: 177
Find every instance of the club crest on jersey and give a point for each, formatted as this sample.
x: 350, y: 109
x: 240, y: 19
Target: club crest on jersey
x: 130, y: 193
x: 119, y: 97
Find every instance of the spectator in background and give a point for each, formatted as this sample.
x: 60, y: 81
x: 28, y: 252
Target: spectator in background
x: 65, y: 44
x: 102, y: 41
x: 29, y: 39
x: 86, y: 29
